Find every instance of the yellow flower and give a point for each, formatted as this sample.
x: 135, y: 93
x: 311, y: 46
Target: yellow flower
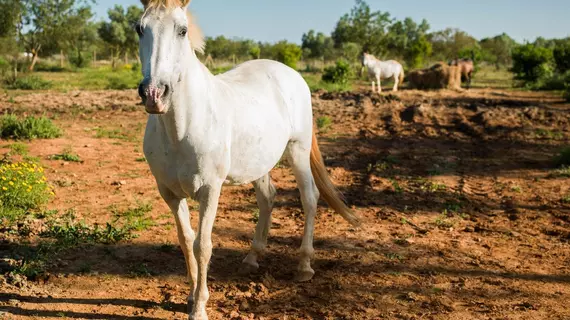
x: 4, y: 188
x: 53, y: 194
x: 11, y: 183
x: 4, y: 178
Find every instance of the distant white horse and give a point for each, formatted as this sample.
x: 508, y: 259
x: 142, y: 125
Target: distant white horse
x: 381, y: 70
x: 204, y: 131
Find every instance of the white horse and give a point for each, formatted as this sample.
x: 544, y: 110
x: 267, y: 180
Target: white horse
x: 381, y: 70
x: 204, y: 131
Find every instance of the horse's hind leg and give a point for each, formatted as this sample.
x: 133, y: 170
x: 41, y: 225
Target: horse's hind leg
x: 299, y: 156
x: 265, y: 194
x: 373, y: 87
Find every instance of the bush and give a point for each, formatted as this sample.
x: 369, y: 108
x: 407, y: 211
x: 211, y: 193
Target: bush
x: 288, y: 53
x: 530, y: 62
x: 50, y: 67
x: 563, y: 158
x: 554, y: 82
x: 562, y: 56
x: 23, y: 187
x: 28, y: 128
x: 29, y: 83
x: 339, y: 73
x: 80, y: 60
x: 323, y: 123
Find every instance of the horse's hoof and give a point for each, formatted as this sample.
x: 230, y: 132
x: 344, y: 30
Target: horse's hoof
x: 198, y: 316
x: 189, y: 305
x: 248, y: 267
x: 304, y: 275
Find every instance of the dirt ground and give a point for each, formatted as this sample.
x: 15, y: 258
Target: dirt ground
x: 464, y: 218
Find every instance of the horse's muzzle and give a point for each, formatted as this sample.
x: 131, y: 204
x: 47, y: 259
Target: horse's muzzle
x: 154, y: 96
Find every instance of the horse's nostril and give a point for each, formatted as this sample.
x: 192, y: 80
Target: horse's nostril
x: 142, y: 93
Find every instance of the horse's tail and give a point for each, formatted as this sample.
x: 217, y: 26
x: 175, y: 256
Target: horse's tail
x: 401, y: 76
x: 326, y: 188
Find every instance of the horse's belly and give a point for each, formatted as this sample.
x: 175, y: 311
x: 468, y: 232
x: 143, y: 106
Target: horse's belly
x: 254, y: 156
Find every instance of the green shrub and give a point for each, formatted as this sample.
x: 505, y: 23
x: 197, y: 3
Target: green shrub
x: 28, y: 128
x: 563, y: 158
x: 530, y: 62
x: 288, y: 53
x: 339, y: 73
x: 49, y: 67
x: 29, y: 83
x: 23, y: 187
x: 81, y: 59
x: 323, y: 123
x: 562, y: 55
x: 67, y: 155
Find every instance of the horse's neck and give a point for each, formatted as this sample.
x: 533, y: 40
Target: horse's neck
x: 191, y: 102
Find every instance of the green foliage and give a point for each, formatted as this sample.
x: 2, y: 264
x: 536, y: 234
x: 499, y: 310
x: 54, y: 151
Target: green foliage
x: 67, y: 155
x: 531, y: 62
x: 32, y: 82
x: 28, y: 128
x: 363, y: 26
x: 561, y: 55
x: 448, y: 43
x: 498, y: 50
x: 18, y: 149
x: 23, y: 187
x: 339, y: 73
x: 563, y: 158
x: 117, y: 82
x: 288, y: 53
x: 70, y: 232
x: 317, y: 46
x: 324, y: 123
x: 417, y: 54
x: 315, y: 82
x: 135, y: 218
x: 80, y: 59
x: 118, y: 33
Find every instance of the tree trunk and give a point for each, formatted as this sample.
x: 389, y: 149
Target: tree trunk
x: 34, y: 61
x: 126, y: 57
x: 61, y: 62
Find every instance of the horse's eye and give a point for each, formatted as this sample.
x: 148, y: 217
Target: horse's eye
x: 139, y: 29
x: 183, y: 32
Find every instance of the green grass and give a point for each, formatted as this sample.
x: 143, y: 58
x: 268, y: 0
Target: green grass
x: 13, y: 127
x: 94, y: 79
x: 562, y: 172
x: 29, y: 82
x: 324, y: 123
x: 135, y: 218
x: 141, y: 159
x: 18, y: 148
x: 489, y: 76
x: 316, y: 83
x: 67, y: 155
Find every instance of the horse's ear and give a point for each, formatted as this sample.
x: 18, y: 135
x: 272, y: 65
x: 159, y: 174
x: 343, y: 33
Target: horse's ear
x: 144, y: 3
x: 185, y: 3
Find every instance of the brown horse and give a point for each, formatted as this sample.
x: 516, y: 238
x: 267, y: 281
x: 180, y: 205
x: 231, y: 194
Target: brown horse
x: 466, y: 66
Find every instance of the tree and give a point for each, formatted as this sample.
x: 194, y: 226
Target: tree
x: 531, y: 62
x: 448, y: 43
x: 407, y: 39
x: 52, y: 23
x: 317, y: 46
x: 363, y: 26
x: 562, y: 55
x: 288, y: 53
x: 119, y: 32
x: 498, y: 50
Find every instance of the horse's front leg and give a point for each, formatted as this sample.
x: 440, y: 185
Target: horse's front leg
x: 186, y: 236
x: 396, y: 78
x: 208, y: 196
x: 378, y: 78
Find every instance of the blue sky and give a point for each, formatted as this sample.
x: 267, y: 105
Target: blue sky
x: 274, y: 20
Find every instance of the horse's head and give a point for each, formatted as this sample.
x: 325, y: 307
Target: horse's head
x: 167, y: 37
